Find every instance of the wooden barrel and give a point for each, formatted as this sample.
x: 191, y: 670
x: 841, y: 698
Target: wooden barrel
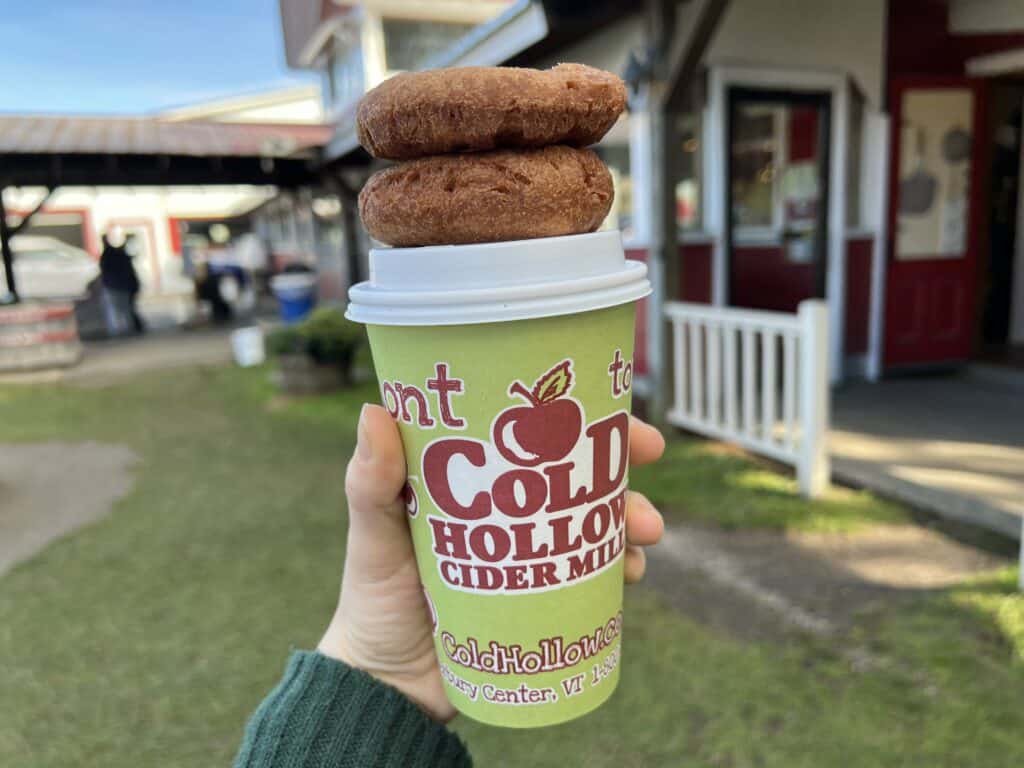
x: 36, y: 336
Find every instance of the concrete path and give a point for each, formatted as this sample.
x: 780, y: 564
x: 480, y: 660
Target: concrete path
x: 951, y: 445
x: 48, y: 490
x: 105, y: 362
x: 765, y: 585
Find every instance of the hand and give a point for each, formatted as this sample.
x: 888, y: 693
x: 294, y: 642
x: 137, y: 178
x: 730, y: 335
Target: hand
x: 382, y: 624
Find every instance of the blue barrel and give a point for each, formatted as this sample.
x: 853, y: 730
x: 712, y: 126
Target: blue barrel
x: 296, y: 295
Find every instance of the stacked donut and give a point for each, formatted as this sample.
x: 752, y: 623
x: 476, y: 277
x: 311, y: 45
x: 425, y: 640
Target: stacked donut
x: 488, y: 154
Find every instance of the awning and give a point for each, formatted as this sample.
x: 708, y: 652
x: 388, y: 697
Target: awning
x: 55, y: 150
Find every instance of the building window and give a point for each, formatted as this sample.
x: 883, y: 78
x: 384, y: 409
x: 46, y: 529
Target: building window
x: 614, y: 151
x: 409, y: 43
x: 933, y: 198
x: 66, y: 227
x: 688, y: 188
x: 777, y: 162
x: 616, y: 156
x: 756, y: 160
x: 344, y: 85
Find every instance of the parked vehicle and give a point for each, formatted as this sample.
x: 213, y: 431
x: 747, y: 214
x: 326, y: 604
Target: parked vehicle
x: 47, y: 268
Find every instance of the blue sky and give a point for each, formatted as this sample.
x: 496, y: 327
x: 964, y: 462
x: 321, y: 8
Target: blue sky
x: 136, y: 56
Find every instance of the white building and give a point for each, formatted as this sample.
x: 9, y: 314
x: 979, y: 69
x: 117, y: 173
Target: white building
x: 159, y: 219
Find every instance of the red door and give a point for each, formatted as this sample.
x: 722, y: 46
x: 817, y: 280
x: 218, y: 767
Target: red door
x: 935, y: 199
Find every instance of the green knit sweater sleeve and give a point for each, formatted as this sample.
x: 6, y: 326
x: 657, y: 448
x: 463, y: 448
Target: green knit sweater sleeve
x: 325, y: 714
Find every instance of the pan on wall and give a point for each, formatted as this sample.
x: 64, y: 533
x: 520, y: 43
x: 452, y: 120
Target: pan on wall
x: 918, y: 189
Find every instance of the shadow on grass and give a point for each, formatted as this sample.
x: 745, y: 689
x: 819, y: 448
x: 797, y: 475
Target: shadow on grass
x: 698, y: 480
x: 994, y: 606
x: 944, y: 691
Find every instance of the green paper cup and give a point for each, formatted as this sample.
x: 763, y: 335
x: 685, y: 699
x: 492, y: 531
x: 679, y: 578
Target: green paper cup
x: 508, y: 367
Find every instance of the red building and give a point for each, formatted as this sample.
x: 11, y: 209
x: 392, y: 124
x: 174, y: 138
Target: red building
x: 867, y: 153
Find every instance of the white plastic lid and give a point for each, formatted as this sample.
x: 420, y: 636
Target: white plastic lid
x: 497, y: 282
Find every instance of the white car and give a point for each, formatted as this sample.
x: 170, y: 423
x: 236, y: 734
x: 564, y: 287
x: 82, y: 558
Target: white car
x: 48, y: 268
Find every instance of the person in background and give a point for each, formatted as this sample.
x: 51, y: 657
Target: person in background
x: 120, y: 283
x: 207, y: 282
x: 371, y: 694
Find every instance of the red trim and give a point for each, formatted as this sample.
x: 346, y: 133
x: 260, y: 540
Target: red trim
x: 695, y: 279
x: 92, y: 242
x: 15, y: 340
x: 20, y: 315
x: 174, y: 230
x: 920, y: 43
x: 695, y: 273
x: 859, y: 255
x: 803, y: 134
x: 763, y: 277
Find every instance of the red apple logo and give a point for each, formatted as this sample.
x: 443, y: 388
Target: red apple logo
x: 548, y: 427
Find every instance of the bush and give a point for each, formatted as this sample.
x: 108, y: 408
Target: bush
x: 285, y: 340
x: 326, y: 336
x: 330, y: 337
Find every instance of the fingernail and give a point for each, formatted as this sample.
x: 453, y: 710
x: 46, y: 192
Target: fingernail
x: 364, y: 446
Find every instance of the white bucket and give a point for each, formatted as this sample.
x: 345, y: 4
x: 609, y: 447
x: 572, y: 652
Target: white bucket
x: 497, y: 282
x: 247, y: 346
x: 293, y: 285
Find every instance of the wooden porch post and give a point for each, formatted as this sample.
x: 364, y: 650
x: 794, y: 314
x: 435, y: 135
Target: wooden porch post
x: 349, y: 227
x: 673, y: 75
x: 5, y: 247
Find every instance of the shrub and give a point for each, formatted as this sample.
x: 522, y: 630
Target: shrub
x: 330, y: 337
x: 326, y: 336
x: 285, y: 340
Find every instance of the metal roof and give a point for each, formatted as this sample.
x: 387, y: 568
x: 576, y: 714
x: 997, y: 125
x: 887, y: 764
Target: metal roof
x: 67, y: 135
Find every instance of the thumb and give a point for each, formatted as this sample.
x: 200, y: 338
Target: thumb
x: 378, y: 531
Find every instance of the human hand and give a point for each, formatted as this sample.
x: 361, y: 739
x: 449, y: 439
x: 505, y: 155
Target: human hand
x: 382, y: 624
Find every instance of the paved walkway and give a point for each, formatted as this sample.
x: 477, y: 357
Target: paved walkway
x: 108, y: 361
x: 764, y: 584
x: 952, y: 445
x: 48, y: 490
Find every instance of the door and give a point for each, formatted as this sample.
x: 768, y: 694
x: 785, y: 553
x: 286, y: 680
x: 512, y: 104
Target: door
x: 777, y: 196
x: 934, y: 221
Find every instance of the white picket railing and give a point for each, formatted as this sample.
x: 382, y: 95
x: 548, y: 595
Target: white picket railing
x: 759, y: 379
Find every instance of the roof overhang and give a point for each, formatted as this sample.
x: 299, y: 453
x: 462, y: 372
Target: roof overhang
x: 568, y: 23
x: 336, y: 26
x: 94, y: 170
x: 299, y: 22
x: 522, y: 25
x: 61, y: 150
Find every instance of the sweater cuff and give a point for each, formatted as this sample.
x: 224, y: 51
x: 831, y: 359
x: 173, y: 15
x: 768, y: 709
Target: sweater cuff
x: 325, y: 713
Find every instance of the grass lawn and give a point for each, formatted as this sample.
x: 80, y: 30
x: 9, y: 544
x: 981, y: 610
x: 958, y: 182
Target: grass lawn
x: 147, y: 638
x: 704, y: 481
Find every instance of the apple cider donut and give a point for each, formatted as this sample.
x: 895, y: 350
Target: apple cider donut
x: 487, y: 197
x: 472, y: 109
